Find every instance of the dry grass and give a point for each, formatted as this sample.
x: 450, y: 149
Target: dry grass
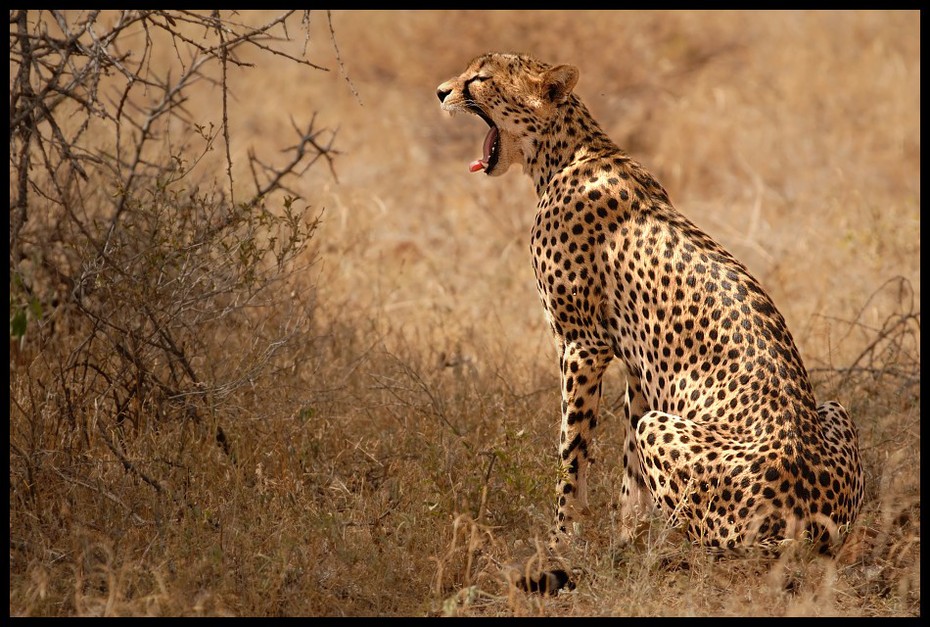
x: 408, y: 453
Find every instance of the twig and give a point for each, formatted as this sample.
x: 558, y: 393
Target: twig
x: 223, y: 64
x: 108, y: 495
x: 332, y: 34
x: 307, y: 138
x: 128, y: 465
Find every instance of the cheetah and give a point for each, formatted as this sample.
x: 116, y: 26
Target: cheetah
x: 723, y: 435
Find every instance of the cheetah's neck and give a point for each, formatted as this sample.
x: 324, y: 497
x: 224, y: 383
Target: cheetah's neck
x: 571, y: 138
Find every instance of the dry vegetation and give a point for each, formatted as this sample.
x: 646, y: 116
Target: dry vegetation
x: 211, y: 414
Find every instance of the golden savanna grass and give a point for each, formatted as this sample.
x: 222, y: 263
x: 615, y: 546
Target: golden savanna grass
x: 409, y: 455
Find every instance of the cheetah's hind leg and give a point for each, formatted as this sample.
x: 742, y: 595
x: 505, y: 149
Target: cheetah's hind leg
x: 698, y: 478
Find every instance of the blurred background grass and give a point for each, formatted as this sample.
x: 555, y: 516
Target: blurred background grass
x: 412, y: 451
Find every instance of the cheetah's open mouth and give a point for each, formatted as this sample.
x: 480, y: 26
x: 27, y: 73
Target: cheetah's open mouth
x: 491, y: 146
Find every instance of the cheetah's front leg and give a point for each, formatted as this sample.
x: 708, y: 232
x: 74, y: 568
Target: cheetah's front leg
x: 582, y: 369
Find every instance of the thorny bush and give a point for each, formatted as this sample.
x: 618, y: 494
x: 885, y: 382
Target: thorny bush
x: 143, y: 290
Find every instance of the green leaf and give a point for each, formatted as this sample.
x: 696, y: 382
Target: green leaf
x: 18, y: 324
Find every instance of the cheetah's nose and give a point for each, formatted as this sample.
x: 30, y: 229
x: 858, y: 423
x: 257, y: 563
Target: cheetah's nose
x: 442, y: 93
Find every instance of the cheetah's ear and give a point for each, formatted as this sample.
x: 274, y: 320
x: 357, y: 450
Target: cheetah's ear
x: 558, y: 82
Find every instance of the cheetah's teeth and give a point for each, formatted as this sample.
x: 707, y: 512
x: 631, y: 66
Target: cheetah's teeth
x: 490, y: 143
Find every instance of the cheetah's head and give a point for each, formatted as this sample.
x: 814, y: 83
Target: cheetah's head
x: 515, y: 95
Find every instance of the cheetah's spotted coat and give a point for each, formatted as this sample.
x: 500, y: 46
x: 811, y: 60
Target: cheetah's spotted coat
x: 724, y: 433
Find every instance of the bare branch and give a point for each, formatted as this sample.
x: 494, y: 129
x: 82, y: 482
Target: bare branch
x: 332, y: 34
x: 306, y: 139
x: 223, y: 63
x: 132, y: 265
x: 891, y: 350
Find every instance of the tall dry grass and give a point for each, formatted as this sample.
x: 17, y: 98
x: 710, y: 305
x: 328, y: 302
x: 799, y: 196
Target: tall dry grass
x: 405, y: 456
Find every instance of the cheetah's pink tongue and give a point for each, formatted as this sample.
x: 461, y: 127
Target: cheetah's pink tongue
x: 489, y: 139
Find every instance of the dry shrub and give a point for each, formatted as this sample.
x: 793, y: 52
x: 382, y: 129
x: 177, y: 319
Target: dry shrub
x: 150, y: 310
